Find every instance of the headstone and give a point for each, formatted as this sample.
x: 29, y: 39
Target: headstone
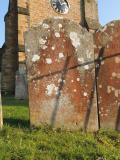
x: 21, y: 90
x: 108, y: 74
x: 1, y: 117
x: 60, y: 65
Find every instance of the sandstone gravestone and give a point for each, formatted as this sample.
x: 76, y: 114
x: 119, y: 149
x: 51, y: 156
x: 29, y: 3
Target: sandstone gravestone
x: 21, y: 90
x: 1, y: 118
x: 108, y: 74
x: 60, y: 64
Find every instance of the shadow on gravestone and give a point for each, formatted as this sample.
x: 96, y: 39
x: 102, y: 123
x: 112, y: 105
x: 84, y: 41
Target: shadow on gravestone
x: 61, y: 75
x: 1, y: 116
x: 108, y: 78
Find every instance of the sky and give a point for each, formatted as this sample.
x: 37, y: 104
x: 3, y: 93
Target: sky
x: 108, y: 10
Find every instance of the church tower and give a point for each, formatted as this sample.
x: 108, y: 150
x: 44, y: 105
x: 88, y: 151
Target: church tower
x: 9, y: 62
x: 16, y: 23
x: 84, y: 12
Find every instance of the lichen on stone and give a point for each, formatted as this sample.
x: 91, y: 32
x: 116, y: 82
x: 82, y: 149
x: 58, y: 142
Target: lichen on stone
x: 35, y: 58
x: 75, y: 39
x: 48, y: 60
x: 51, y: 89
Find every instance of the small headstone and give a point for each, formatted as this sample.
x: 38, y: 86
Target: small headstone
x: 1, y: 117
x: 21, y: 90
x: 61, y: 71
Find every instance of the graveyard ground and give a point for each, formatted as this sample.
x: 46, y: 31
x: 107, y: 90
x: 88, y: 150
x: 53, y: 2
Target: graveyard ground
x: 18, y: 142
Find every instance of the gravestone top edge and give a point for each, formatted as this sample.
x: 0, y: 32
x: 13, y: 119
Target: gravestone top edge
x: 58, y: 19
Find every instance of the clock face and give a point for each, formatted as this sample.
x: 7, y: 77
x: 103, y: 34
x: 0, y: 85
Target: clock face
x: 60, y: 6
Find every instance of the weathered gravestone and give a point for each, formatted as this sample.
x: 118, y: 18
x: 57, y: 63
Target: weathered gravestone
x: 21, y: 90
x: 1, y: 118
x: 60, y: 64
x: 107, y: 50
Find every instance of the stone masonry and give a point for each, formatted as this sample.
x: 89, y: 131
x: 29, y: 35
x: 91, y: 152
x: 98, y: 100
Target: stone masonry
x: 1, y: 117
x: 16, y: 23
x: 81, y: 11
x: 9, y: 57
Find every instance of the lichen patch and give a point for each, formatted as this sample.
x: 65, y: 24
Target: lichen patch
x: 46, y: 26
x: 117, y: 60
x: 48, y: 60
x: 42, y: 41
x: 85, y: 94
x: 78, y: 79
x: 28, y: 50
x: 81, y: 60
x: 60, y: 25
x: 51, y: 89
x: 86, y: 67
x: 53, y: 48
x: 57, y: 34
x: 44, y: 47
x: 35, y: 58
x: 75, y: 39
x: 61, y: 55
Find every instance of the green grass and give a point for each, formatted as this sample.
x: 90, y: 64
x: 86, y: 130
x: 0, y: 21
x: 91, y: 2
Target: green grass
x: 18, y: 142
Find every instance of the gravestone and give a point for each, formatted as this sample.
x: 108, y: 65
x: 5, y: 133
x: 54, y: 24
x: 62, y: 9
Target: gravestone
x: 21, y: 90
x: 1, y: 117
x: 61, y: 71
x: 107, y: 50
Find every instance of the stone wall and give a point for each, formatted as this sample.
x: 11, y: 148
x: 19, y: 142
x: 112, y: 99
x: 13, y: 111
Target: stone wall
x: 0, y: 58
x: 10, y: 57
x: 2, y: 50
x: 16, y: 23
x: 23, y: 24
x: 1, y: 116
x: 91, y: 14
x: 40, y: 10
x: 22, y: 3
x: 79, y: 12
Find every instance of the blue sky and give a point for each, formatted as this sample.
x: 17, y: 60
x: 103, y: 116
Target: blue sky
x: 108, y: 10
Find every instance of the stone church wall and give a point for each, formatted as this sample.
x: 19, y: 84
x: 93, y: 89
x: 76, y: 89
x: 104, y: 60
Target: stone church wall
x: 9, y: 58
x: 1, y: 116
x: 16, y: 23
x: 45, y: 10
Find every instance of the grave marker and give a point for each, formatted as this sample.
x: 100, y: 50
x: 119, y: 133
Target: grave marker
x: 108, y: 74
x: 61, y: 71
